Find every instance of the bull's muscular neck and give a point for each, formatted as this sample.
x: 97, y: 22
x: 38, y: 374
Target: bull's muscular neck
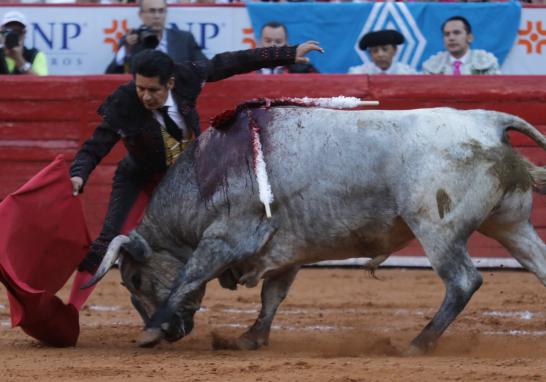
x: 174, y: 211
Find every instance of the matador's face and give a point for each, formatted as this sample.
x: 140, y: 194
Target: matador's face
x: 151, y: 93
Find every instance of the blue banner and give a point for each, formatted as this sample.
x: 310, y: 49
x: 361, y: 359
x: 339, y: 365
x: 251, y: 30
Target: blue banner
x: 338, y: 27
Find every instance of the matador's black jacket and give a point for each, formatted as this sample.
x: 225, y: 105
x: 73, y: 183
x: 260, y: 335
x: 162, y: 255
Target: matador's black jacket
x: 124, y: 116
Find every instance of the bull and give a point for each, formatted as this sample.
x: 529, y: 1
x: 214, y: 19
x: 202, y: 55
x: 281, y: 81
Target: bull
x: 347, y: 183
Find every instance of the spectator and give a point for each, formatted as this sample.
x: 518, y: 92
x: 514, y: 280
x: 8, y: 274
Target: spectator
x: 15, y: 57
x: 152, y: 34
x: 274, y: 34
x: 382, y: 46
x: 459, y: 58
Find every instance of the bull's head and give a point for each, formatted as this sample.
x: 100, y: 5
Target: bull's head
x: 149, y: 274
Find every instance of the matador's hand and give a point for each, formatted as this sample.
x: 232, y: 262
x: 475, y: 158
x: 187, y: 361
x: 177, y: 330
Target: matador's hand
x: 305, y: 48
x: 77, y: 184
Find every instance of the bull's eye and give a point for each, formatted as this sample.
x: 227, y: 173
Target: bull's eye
x: 136, y: 281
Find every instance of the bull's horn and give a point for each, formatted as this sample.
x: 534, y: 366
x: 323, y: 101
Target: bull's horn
x: 112, y: 254
x: 138, y: 248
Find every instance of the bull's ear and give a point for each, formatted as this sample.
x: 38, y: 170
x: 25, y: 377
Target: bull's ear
x: 137, y: 248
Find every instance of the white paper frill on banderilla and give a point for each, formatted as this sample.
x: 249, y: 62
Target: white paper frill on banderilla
x: 260, y: 166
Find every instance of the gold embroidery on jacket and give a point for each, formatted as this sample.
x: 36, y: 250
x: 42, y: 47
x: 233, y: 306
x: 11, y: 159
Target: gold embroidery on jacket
x: 173, y: 148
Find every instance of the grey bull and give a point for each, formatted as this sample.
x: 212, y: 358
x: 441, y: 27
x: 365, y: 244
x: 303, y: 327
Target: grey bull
x: 346, y: 184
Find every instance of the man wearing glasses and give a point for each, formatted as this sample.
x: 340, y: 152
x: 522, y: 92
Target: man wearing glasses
x: 152, y: 34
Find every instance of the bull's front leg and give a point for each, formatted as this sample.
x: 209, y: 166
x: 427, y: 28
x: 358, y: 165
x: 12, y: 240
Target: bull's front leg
x: 211, y: 257
x: 274, y: 291
x: 222, y: 246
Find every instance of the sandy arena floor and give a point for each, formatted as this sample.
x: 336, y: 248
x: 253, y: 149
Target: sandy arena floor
x: 336, y: 325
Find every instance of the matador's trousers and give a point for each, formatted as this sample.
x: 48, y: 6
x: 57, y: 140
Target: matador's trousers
x: 129, y: 181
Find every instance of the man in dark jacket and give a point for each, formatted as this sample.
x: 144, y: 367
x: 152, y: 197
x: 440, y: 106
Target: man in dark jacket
x: 155, y: 116
x: 152, y: 34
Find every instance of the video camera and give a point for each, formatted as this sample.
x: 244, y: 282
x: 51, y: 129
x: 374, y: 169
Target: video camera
x: 147, y: 37
x: 11, y: 38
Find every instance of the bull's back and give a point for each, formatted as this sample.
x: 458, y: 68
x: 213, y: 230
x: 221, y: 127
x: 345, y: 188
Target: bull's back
x: 330, y: 175
x: 363, y: 150
x: 343, y: 178
x: 334, y: 171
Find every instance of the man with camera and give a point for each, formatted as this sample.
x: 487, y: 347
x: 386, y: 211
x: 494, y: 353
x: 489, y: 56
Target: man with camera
x: 152, y: 34
x: 15, y: 58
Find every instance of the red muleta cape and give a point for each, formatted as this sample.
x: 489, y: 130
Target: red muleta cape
x: 43, y: 238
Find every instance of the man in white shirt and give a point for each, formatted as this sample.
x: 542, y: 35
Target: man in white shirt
x: 382, y: 46
x: 459, y: 59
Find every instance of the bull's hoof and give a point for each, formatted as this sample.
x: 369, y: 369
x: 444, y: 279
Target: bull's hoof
x: 150, y: 338
x: 420, y: 347
x: 246, y: 343
x: 413, y: 351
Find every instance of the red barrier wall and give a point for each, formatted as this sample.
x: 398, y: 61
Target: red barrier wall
x: 41, y: 117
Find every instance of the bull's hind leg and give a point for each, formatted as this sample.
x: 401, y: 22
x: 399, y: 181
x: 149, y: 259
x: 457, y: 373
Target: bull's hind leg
x: 522, y: 241
x: 509, y: 225
x: 449, y: 258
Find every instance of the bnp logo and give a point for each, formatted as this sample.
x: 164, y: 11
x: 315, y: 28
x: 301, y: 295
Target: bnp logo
x: 532, y: 37
x: 248, y: 34
x: 116, y: 30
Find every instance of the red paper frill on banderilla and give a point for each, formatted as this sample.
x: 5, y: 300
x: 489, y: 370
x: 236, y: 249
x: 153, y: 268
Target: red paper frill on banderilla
x: 43, y: 238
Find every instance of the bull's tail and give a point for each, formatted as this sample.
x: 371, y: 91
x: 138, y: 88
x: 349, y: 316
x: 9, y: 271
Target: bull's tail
x: 538, y: 174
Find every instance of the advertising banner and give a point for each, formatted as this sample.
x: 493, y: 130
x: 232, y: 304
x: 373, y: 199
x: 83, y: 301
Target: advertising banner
x: 83, y: 39
x: 340, y: 26
x: 528, y: 54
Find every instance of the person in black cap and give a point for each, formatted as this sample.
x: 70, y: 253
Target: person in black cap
x: 382, y: 47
